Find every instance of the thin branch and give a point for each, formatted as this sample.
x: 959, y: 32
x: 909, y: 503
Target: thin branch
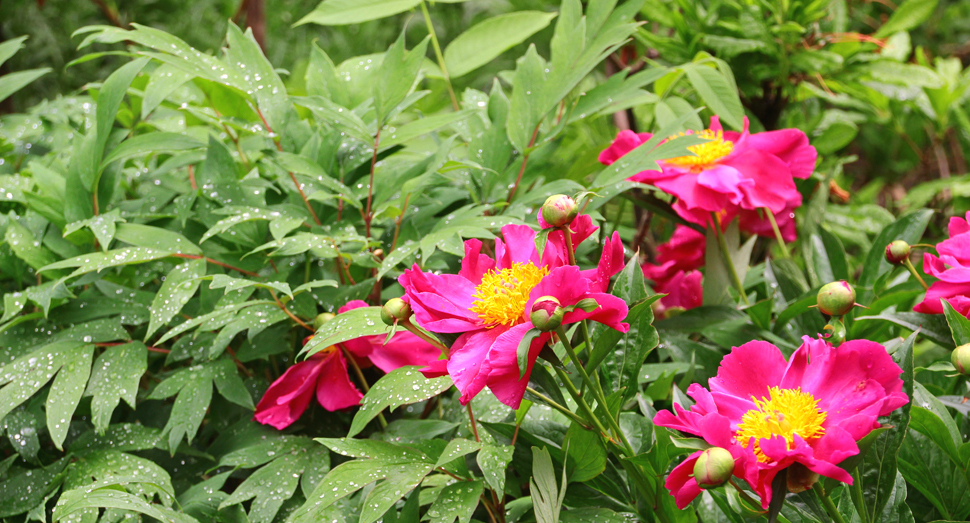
x: 279, y: 147
x: 290, y: 314
x: 215, y: 262
x: 525, y: 158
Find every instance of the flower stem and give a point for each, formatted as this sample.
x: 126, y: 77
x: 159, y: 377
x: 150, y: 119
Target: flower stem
x: 912, y: 270
x: 556, y: 406
x: 569, y: 244
x: 414, y: 329
x: 830, y: 507
x: 781, y: 240
x: 581, y: 402
x: 363, y: 382
x: 438, y: 55
x: 471, y: 417
x: 597, y: 391
x: 728, y: 262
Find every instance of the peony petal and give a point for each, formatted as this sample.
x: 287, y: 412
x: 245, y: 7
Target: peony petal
x: 767, y: 180
x: 519, y: 246
x: 624, y: 142
x: 475, y: 264
x: 334, y: 389
x: 288, y: 397
x: 681, y: 482
x: 441, y: 302
x: 404, y: 349
x: 790, y: 146
x: 504, y: 379
x: 468, y: 362
x: 748, y: 371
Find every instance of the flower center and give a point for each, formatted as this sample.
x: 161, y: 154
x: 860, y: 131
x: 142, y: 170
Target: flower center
x: 785, y: 412
x: 707, y: 152
x: 501, y: 297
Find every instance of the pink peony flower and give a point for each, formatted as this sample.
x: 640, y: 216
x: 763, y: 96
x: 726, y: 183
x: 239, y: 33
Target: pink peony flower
x: 731, y: 173
x: 771, y: 414
x: 683, y: 252
x: 325, y: 373
x: 489, y: 302
x: 683, y: 291
x: 952, y: 267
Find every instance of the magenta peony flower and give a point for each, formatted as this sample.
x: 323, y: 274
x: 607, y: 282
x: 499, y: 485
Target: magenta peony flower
x: 952, y: 267
x: 325, y: 373
x: 732, y: 173
x: 683, y: 291
x: 771, y: 414
x: 683, y: 252
x: 489, y: 302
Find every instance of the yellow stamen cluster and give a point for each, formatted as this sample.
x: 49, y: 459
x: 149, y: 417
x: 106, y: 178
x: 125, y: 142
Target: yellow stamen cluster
x: 501, y: 297
x: 785, y: 412
x: 707, y: 152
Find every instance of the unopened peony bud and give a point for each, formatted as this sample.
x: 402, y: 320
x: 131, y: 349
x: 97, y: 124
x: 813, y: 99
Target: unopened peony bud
x: 546, y: 313
x: 961, y: 359
x: 800, y: 478
x: 897, y: 252
x: 836, y: 298
x: 559, y: 210
x: 713, y: 468
x: 321, y: 319
x: 395, y: 310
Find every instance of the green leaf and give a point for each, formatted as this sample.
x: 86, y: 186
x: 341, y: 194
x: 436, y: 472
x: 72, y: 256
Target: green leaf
x: 270, y: 485
x: 103, y: 260
x: 80, y: 499
x: 585, y: 454
x: 165, y: 80
x: 398, y: 484
x: 547, y: 497
x: 402, y: 386
x: 877, y: 472
x: 13, y: 82
x: 27, y: 374
x: 155, y: 238
x: 110, y: 96
x: 343, y: 12
x: 179, y: 286
x: 457, y: 501
x: 355, y: 323
x: 959, y: 324
x: 263, y: 83
x: 373, y: 449
x: 526, y: 108
x: 932, y: 326
x: 717, y: 93
x: 396, y: 76
x: 930, y: 418
x: 494, y: 461
x: 10, y: 47
x: 345, y: 479
x: 908, y: 228
x: 457, y: 448
x: 66, y: 391
x: 23, y: 244
x: 908, y: 15
x: 24, y: 489
x: 145, y: 144
x: 483, y: 42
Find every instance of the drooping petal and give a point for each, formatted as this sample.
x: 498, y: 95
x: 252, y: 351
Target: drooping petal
x: 288, y: 397
x: 769, y: 181
x: 790, y: 146
x: 568, y: 285
x: 681, y: 482
x: 504, y: 379
x: 611, y: 262
x: 334, y: 389
x: 468, y: 362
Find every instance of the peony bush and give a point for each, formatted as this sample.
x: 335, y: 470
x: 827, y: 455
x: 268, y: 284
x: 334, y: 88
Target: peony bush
x: 436, y: 284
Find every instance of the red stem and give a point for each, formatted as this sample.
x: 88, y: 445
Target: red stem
x: 215, y: 262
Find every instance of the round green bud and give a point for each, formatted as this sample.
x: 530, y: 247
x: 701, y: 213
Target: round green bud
x: 546, y: 314
x: 321, y: 319
x: 714, y: 467
x: 394, y: 311
x: 897, y: 252
x: 836, y: 298
x: 559, y: 210
x: 961, y: 358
